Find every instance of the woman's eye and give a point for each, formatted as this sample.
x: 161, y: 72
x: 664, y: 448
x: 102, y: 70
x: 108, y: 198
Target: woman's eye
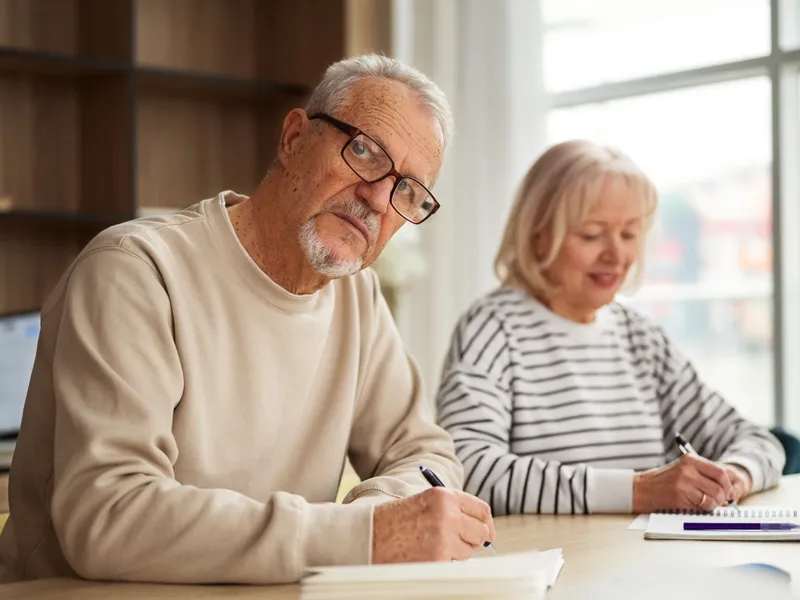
x: 360, y: 148
x: 628, y: 236
x: 590, y: 237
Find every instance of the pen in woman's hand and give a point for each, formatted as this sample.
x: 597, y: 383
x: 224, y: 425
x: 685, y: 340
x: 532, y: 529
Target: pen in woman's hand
x: 686, y: 448
x: 434, y: 480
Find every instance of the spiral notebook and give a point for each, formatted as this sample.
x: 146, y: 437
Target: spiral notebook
x: 670, y: 525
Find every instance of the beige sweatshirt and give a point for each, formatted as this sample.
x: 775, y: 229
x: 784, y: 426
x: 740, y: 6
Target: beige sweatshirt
x: 188, y: 419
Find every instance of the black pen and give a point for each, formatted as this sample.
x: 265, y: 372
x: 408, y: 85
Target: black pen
x: 686, y: 448
x: 434, y: 480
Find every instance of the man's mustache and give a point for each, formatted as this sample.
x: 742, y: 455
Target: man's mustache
x: 363, y: 213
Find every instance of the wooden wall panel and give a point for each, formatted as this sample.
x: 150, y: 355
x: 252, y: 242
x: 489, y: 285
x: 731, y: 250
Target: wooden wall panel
x: 214, y: 36
x: 105, y: 28
x: 190, y: 150
x: 47, y: 25
x: 31, y: 262
x: 105, y: 146
x: 39, y: 145
x: 305, y: 36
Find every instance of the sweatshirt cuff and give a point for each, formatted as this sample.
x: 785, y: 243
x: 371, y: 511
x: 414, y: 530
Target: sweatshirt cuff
x: 337, y: 534
x: 384, y: 488
x: 751, y: 466
x: 372, y: 497
x: 609, y: 490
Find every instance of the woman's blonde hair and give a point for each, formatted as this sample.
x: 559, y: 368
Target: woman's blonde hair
x: 555, y: 197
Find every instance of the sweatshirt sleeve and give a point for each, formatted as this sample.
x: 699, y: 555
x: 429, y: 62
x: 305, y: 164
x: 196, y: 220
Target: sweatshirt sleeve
x: 713, y: 427
x: 476, y: 405
x: 394, y: 429
x: 117, y: 508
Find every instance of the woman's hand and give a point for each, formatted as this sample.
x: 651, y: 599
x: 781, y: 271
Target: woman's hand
x: 690, y: 482
x: 740, y: 479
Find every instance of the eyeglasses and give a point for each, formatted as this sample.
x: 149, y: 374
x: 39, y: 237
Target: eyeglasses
x: 367, y: 158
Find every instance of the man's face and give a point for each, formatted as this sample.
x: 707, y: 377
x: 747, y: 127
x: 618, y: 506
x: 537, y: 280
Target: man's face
x: 343, y: 222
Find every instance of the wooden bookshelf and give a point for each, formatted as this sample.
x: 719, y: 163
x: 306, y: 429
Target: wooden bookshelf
x: 112, y: 108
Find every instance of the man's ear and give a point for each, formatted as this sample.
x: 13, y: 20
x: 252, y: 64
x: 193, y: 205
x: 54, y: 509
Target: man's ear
x: 294, y: 125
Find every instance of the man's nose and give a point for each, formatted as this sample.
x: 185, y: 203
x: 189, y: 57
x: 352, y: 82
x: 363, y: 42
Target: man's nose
x: 376, y: 194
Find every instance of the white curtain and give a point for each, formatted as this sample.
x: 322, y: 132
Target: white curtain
x: 486, y: 56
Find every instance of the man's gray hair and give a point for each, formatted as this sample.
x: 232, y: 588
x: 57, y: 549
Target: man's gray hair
x: 332, y: 92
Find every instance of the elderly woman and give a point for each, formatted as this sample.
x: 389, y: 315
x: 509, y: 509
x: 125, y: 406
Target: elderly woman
x: 562, y: 401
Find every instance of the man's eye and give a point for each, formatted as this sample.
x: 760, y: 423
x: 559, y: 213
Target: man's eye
x: 360, y: 148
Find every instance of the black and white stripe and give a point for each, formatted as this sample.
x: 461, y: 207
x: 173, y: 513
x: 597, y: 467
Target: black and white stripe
x: 550, y: 416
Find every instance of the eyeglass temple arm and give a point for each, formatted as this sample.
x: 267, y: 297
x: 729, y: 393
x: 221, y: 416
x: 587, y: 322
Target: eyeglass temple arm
x: 340, y: 125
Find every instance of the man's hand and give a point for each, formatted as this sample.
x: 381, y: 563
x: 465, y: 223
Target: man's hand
x: 437, y: 524
x: 691, y: 482
x: 740, y: 480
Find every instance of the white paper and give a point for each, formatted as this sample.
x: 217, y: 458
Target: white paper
x: 521, y: 575
x: 671, y: 526
x: 639, y: 523
x: 554, y: 562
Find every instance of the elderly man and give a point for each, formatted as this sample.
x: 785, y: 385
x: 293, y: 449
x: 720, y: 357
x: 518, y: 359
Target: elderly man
x: 201, y: 376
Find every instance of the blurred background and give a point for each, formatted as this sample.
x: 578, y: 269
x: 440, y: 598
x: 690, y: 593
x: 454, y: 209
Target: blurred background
x: 110, y: 109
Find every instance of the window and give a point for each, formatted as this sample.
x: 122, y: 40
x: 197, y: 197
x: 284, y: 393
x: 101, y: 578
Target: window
x: 788, y: 223
x: 589, y: 43
x: 686, y: 89
x: 789, y: 24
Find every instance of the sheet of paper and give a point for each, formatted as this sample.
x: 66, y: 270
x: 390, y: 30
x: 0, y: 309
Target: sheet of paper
x: 673, y: 526
x: 554, y: 561
x: 511, y: 576
x: 639, y: 523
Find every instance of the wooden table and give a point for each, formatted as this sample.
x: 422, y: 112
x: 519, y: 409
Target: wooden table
x: 596, y: 548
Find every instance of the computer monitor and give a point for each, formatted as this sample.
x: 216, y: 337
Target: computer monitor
x: 19, y: 335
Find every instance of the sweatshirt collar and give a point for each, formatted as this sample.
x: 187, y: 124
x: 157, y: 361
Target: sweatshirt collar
x: 258, y: 281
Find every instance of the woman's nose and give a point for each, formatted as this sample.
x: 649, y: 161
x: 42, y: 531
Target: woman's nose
x: 614, y: 250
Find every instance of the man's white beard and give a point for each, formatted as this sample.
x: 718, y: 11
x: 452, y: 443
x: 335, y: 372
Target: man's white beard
x: 322, y: 258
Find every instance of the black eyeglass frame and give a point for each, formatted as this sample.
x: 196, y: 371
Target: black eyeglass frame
x: 352, y: 131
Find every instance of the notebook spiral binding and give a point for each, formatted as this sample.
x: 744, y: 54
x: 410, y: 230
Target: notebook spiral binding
x: 725, y: 511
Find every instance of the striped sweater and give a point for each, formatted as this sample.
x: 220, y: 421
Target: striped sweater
x: 553, y: 416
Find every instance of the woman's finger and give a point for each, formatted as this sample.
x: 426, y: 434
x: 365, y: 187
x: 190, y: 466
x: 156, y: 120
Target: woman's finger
x: 703, y: 502
x: 706, y: 493
x: 715, y: 473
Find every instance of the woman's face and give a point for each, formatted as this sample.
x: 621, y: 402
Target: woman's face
x: 596, y: 257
